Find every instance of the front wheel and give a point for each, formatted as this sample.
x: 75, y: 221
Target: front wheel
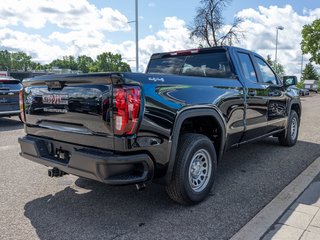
x: 194, y: 171
x: 291, y: 136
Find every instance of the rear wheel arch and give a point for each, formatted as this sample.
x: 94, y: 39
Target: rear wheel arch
x: 194, y: 115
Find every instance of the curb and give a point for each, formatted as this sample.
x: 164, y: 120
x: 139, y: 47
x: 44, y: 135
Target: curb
x: 260, y: 224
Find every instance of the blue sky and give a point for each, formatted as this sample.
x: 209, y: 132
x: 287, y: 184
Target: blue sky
x: 49, y: 29
x: 154, y: 12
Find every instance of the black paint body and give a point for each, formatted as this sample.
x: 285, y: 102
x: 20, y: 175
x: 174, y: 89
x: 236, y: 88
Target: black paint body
x: 242, y: 110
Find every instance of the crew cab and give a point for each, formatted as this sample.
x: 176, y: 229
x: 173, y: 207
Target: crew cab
x: 170, y: 125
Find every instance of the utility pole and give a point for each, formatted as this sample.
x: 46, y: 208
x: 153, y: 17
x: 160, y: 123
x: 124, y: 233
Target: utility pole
x: 275, y: 61
x: 137, y: 37
x: 301, y: 66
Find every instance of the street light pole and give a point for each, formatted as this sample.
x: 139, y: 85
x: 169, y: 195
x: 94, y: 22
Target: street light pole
x: 275, y: 61
x: 137, y: 38
x: 301, y: 65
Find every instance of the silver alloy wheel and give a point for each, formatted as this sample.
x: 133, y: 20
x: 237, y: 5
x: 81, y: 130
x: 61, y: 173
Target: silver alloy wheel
x: 294, y: 128
x: 200, y: 170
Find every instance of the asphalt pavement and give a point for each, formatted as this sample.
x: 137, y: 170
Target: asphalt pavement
x: 34, y: 206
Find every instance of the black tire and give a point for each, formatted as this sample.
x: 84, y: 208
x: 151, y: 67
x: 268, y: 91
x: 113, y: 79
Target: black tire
x: 290, y: 138
x: 195, y: 149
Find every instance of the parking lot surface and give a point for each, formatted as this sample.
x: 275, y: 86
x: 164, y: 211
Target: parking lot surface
x: 34, y: 206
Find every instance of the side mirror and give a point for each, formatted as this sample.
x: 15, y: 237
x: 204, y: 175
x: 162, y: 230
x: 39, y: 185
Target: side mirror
x: 289, y: 81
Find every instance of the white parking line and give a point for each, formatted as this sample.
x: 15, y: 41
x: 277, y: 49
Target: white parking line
x: 258, y: 225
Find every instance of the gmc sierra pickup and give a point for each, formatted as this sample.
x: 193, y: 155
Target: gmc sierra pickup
x: 171, y: 125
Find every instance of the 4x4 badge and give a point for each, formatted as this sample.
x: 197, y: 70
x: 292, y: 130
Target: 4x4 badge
x: 155, y: 79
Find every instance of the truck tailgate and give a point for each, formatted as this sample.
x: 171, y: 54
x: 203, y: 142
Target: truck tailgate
x: 71, y: 108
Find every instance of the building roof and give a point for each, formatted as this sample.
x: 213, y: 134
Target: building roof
x: 310, y: 81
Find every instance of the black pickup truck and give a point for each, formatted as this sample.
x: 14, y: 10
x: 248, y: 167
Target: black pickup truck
x: 171, y: 125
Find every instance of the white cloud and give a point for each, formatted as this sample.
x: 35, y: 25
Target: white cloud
x: 173, y: 36
x: 69, y: 14
x: 84, y: 28
x: 83, y: 39
x: 34, y: 45
x: 260, y: 30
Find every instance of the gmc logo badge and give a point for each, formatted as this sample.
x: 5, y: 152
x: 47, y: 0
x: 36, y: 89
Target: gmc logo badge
x: 55, y: 99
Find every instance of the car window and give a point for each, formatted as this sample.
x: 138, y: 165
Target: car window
x: 207, y: 65
x: 247, y: 67
x: 168, y: 65
x: 267, y: 74
x: 9, y: 84
x: 214, y: 64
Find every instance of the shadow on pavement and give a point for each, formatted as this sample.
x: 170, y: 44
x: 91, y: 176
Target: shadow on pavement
x: 249, y: 178
x: 104, y: 212
x: 9, y: 124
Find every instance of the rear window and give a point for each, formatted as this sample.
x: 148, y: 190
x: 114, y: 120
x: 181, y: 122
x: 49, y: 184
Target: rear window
x: 214, y: 64
x: 9, y: 84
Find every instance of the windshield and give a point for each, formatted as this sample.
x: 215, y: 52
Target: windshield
x: 9, y: 84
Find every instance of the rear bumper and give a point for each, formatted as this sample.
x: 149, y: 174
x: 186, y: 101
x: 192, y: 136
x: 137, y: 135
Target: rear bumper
x: 100, y: 165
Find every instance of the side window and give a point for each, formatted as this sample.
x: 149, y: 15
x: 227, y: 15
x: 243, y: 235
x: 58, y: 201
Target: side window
x: 267, y: 74
x: 214, y: 65
x: 247, y: 67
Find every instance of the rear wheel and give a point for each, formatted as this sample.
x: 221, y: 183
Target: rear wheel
x: 291, y: 136
x: 194, y: 171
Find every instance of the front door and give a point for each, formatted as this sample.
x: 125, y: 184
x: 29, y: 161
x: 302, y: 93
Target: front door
x: 277, y: 100
x: 256, y: 100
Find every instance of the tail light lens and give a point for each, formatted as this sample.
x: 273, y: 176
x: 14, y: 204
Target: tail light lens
x: 21, y: 104
x: 127, y: 104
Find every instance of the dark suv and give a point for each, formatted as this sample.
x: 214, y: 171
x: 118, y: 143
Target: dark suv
x: 9, y: 96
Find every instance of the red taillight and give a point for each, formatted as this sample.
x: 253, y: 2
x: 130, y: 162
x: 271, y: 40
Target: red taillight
x: 185, y: 52
x: 21, y: 104
x: 126, y: 112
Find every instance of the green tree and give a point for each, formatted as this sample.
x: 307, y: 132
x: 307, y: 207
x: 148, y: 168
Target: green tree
x: 20, y: 61
x: 309, y: 72
x: 108, y: 62
x: 84, y: 63
x: 94, y: 68
x: 17, y: 61
x: 311, y: 40
x: 209, y: 26
x: 67, y: 62
x: 5, y: 60
x: 269, y: 61
x: 278, y: 68
x: 105, y: 62
x: 300, y: 84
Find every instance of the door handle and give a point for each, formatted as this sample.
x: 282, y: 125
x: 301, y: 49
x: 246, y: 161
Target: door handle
x: 252, y: 93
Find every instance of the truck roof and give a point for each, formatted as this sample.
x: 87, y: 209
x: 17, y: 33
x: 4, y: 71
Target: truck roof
x: 197, y: 50
x: 309, y: 81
